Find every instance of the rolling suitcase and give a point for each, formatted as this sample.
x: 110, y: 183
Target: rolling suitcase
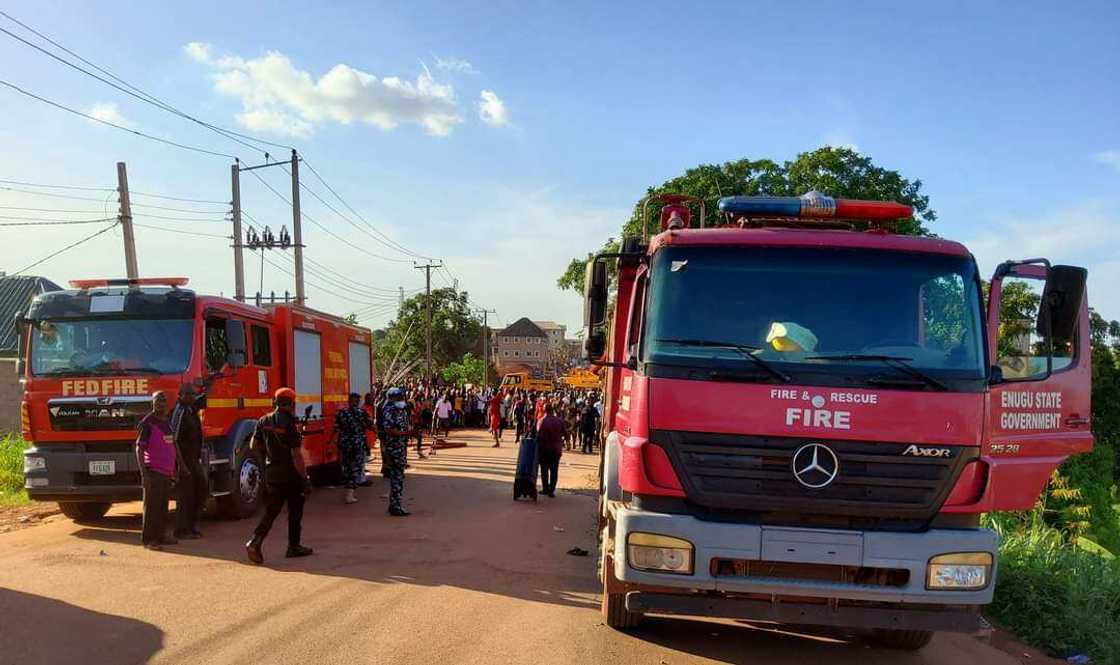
x: 525, y: 480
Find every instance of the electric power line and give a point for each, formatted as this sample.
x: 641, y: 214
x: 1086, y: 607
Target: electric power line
x: 41, y: 222
x: 181, y: 232
x: 66, y: 248
x: 35, y: 184
x: 194, y: 210
x: 113, y: 125
x: 53, y: 195
x: 138, y: 94
x: 88, y: 212
x: 175, y: 198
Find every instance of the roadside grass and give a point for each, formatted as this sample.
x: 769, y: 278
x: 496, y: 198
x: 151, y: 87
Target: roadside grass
x: 1059, y: 597
x: 11, y: 471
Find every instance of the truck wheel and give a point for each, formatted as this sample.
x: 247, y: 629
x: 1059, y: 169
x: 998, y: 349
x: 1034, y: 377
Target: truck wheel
x: 613, y: 604
x: 83, y: 511
x: 904, y: 640
x: 246, y: 489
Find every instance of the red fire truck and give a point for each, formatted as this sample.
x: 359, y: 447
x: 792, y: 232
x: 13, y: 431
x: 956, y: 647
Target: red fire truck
x: 807, y: 414
x: 91, y: 357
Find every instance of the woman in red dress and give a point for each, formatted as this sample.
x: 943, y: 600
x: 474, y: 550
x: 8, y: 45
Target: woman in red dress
x: 494, y: 408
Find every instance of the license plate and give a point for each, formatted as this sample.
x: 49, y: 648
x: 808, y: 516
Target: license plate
x: 102, y: 468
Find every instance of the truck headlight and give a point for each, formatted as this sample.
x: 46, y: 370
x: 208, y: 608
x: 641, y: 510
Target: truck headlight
x: 964, y: 571
x: 663, y: 554
x: 34, y: 463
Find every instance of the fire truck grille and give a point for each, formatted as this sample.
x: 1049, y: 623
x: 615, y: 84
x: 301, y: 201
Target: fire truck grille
x: 87, y: 416
x: 751, y: 479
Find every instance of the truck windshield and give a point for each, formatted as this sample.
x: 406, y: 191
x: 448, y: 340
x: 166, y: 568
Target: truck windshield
x: 61, y: 347
x: 819, y: 315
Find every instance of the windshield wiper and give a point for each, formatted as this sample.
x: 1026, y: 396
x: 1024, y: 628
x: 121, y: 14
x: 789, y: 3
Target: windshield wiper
x: 744, y: 350
x: 898, y: 362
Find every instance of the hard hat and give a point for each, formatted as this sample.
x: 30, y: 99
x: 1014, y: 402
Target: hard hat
x: 786, y: 336
x: 284, y: 393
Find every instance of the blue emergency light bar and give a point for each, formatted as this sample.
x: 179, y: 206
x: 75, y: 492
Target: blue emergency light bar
x: 813, y: 205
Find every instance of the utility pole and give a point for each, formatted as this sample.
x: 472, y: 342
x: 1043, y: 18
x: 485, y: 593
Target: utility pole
x: 297, y: 233
x: 427, y: 268
x: 486, y: 344
x: 238, y: 259
x: 131, y: 271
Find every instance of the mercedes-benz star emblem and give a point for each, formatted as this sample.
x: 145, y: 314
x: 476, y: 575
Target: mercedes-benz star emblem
x: 815, y: 465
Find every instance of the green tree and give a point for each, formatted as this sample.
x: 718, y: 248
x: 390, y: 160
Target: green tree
x: 466, y: 370
x: 840, y: 172
x: 454, y: 333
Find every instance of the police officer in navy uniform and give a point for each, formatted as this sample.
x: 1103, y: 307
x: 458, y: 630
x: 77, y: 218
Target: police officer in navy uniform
x: 397, y: 424
x: 278, y: 439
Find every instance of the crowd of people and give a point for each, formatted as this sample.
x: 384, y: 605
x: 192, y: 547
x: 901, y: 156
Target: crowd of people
x: 169, y: 446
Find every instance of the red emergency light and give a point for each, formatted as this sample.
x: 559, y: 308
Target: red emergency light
x: 813, y: 205
x: 173, y: 282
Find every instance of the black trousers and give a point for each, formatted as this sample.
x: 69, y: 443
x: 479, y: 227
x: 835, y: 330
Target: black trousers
x: 191, y: 497
x: 280, y: 493
x: 550, y: 467
x: 587, y: 437
x: 157, y: 489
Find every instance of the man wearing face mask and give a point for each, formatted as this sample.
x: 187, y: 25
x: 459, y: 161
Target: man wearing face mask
x: 395, y: 420
x: 285, y: 475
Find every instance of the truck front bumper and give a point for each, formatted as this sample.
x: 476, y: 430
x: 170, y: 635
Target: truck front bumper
x: 785, y: 545
x: 64, y: 474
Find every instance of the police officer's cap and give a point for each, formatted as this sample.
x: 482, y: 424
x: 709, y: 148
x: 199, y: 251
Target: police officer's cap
x: 395, y: 392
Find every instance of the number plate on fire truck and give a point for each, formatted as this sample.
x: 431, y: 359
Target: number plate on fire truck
x: 102, y: 468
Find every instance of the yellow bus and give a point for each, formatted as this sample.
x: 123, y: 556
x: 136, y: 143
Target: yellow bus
x: 580, y: 378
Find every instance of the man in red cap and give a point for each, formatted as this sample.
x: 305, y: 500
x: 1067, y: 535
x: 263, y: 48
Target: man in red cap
x: 279, y: 440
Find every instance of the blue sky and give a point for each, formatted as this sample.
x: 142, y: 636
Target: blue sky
x: 1007, y: 112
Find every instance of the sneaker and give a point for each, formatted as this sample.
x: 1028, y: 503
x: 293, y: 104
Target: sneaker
x: 298, y: 551
x: 155, y: 547
x: 399, y: 512
x: 253, y: 551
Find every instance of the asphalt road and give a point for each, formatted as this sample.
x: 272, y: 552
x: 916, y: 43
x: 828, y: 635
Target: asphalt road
x: 471, y: 577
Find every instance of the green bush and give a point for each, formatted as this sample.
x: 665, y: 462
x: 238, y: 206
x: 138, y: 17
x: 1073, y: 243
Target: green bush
x: 1055, y: 595
x: 11, y: 467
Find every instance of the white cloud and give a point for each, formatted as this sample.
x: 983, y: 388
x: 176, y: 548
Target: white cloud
x: 1084, y: 235
x: 1109, y: 158
x: 107, y: 112
x: 199, y: 51
x: 492, y: 110
x: 280, y: 98
x: 455, y: 65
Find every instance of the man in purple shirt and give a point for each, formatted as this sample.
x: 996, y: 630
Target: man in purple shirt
x: 550, y: 445
x: 158, y: 458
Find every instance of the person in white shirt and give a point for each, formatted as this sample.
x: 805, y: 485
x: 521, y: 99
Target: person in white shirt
x: 443, y: 416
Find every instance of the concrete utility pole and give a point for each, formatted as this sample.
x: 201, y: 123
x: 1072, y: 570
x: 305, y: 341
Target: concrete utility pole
x: 486, y: 344
x: 297, y: 233
x: 427, y: 268
x: 238, y: 259
x: 131, y: 271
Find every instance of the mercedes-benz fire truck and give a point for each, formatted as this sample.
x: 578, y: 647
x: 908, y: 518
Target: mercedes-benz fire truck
x: 91, y: 357
x: 807, y: 414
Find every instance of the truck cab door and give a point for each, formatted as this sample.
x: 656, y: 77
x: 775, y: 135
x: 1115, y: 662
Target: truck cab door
x: 1038, y: 340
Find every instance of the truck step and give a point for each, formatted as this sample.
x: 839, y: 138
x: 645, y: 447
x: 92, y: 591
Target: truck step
x: 219, y: 494
x: 220, y: 460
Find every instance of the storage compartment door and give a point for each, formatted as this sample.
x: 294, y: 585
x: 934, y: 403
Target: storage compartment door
x: 359, y: 368
x: 309, y: 373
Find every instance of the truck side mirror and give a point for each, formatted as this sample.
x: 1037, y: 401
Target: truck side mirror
x: 1061, y: 302
x: 595, y: 345
x: 595, y: 294
x: 22, y: 324
x: 236, y: 353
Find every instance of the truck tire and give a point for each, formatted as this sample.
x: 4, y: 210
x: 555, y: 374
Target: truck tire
x: 613, y: 605
x: 903, y: 640
x: 246, y: 489
x: 84, y: 511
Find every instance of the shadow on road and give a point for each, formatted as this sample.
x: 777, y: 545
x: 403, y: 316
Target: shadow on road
x: 750, y: 643
x: 466, y: 531
x: 29, y: 622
